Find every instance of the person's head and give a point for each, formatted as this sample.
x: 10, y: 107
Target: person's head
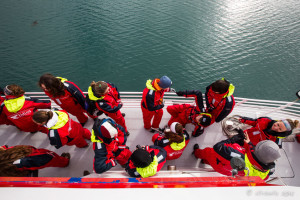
x: 108, y: 130
x: 42, y: 117
x: 99, y: 88
x: 204, y: 119
x: 267, y: 151
x: 164, y: 82
x: 51, y: 84
x: 175, y: 133
x: 13, y: 90
x: 284, y: 125
x: 176, y: 127
x: 220, y: 86
x: 141, y: 158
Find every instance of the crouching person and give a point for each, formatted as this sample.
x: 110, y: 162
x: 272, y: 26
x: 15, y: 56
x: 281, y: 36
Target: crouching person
x: 110, y: 145
x: 146, y: 161
x: 173, y: 141
x: 259, y: 159
x: 22, y: 160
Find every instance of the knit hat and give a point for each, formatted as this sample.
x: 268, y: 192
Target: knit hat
x: 141, y: 158
x: 108, y: 130
x: 205, y: 120
x: 173, y: 127
x: 267, y: 151
x: 164, y: 82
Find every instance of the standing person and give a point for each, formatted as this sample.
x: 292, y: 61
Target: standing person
x: 105, y: 97
x: 187, y: 113
x: 65, y: 94
x: 114, y: 137
x: 265, y: 128
x: 174, y: 140
x: 146, y: 161
x: 259, y: 160
x: 219, y: 99
x: 62, y: 129
x: 152, y: 102
x: 21, y: 160
x: 20, y: 109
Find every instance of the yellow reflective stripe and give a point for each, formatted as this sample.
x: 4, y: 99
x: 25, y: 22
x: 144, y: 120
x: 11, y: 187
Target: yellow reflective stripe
x: 14, y: 105
x: 149, y: 170
x: 62, y: 79
x: 178, y: 146
x: 92, y: 96
x: 253, y: 171
x: 206, y: 114
x: 93, y: 137
x: 63, y: 118
x: 149, y: 85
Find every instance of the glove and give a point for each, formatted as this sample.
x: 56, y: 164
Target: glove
x: 180, y: 93
x: 238, y: 138
x: 172, y: 90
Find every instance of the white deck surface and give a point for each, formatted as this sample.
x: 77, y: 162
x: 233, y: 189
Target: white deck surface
x: 187, y: 165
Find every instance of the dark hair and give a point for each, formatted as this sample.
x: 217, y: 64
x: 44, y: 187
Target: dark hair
x: 7, y: 157
x: 99, y: 88
x: 16, y: 90
x: 42, y: 116
x: 174, y: 137
x: 220, y: 86
x: 54, y: 86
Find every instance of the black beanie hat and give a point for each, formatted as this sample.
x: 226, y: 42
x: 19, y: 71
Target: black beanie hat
x: 205, y: 120
x: 141, y: 158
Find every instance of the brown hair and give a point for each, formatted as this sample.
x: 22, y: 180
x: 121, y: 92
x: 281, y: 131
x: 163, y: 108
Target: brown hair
x: 99, y: 87
x: 16, y: 90
x: 54, y: 86
x: 42, y: 116
x: 220, y: 86
x: 294, y: 124
x: 175, y: 137
x: 7, y: 157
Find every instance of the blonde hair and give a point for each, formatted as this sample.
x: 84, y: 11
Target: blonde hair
x: 294, y: 124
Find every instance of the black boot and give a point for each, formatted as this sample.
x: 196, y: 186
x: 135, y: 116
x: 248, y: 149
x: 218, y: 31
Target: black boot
x: 196, y: 146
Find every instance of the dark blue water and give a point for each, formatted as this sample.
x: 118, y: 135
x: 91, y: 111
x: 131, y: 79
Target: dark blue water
x: 255, y: 44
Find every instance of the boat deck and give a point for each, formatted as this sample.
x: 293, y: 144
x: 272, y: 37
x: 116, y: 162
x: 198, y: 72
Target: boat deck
x: 287, y: 167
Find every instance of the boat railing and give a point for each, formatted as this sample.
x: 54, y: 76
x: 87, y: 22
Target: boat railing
x: 246, y: 105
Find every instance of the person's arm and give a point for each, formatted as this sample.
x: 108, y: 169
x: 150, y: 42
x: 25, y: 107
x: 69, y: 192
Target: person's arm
x: 197, y: 94
x: 107, y: 107
x: 40, y: 104
x: 76, y: 92
x: 150, y: 98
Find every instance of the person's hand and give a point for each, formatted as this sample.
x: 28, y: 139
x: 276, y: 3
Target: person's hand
x: 247, y: 139
x: 172, y: 90
x: 180, y: 93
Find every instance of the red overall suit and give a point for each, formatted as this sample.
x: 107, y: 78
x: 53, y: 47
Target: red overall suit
x: 21, y: 115
x: 157, y: 151
x: 261, y: 130
x: 218, y: 105
x: 115, y: 147
x: 104, y: 159
x: 152, y: 104
x: 71, y: 133
x: 220, y: 155
x: 39, y: 159
x: 162, y: 141
x: 72, y: 101
x: 3, y: 118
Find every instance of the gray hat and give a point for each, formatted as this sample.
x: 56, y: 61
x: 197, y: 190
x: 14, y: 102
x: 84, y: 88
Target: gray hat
x: 267, y: 151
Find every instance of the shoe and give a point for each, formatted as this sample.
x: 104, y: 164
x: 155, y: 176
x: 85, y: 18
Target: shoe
x: 198, y: 132
x: 66, y: 155
x: 86, y: 172
x: 196, y: 146
x: 82, y: 124
x: 123, y: 114
x: 127, y: 133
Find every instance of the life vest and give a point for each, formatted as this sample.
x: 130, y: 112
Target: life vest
x: 254, y: 171
x: 149, y: 170
x: 63, y: 118
x: 154, y: 88
x: 178, y: 146
x: 14, y: 105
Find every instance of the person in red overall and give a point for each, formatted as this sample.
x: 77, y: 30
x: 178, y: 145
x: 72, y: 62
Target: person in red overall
x: 114, y: 137
x: 65, y: 94
x: 146, y: 161
x: 152, y: 101
x: 62, y: 129
x: 219, y: 99
x: 21, y: 160
x: 174, y: 140
x: 187, y: 113
x: 3, y: 118
x: 265, y: 128
x: 259, y: 160
x: 105, y: 97
x: 20, y: 109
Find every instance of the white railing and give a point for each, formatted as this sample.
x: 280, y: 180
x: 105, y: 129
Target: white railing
x: 264, y: 107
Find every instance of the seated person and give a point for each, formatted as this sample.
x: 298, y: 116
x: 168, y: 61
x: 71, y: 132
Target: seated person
x: 187, y: 113
x: 259, y: 159
x: 173, y: 141
x: 21, y: 160
x: 265, y: 128
x: 219, y: 99
x: 146, y: 161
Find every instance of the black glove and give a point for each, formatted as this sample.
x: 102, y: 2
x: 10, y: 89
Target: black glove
x: 180, y: 93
